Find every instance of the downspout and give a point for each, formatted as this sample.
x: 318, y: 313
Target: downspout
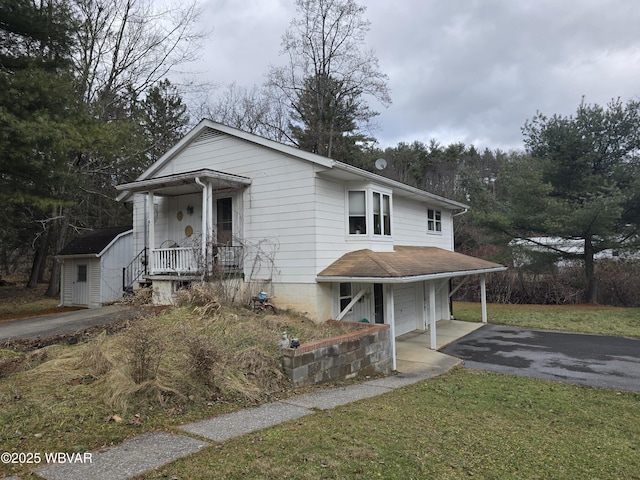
x: 205, y: 235
x: 464, y: 210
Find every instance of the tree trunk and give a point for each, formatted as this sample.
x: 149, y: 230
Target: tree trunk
x: 39, y: 258
x: 591, y: 295
x: 61, y: 227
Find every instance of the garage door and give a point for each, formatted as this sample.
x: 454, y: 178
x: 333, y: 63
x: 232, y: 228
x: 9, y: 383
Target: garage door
x: 404, y: 302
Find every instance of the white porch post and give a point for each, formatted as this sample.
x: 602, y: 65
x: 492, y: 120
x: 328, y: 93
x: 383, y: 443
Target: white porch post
x: 210, y: 238
x: 390, y: 318
x: 205, y: 232
x: 152, y: 230
x: 483, y: 296
x: 432, y: 315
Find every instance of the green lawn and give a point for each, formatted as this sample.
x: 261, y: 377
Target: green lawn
x: 569, y: 318
x: 464, y: 424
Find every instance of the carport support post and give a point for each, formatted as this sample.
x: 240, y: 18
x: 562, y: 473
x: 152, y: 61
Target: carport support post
x: 483, y: 296
x: 432, y: 315
x: 389, y: 314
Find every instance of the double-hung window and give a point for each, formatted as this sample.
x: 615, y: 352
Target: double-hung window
x: 381, y: 214
x: 369, y: 212
x: 358, y: 212
x: 434, y: 221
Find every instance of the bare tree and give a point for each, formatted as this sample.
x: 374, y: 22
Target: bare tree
x: 126, y: 46
x: 328, y: 69
x: 122, y: 49
x: 253, y: 110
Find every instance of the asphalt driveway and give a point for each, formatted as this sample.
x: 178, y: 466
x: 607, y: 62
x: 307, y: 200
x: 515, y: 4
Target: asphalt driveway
x: 64, y: 323
x: 594, y: 360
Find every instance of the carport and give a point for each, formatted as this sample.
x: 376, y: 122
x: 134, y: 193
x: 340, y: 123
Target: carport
x: 408, y: 288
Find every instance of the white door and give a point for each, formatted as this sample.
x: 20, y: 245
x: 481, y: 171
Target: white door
x: 80, y: 288
x: 405, y: 313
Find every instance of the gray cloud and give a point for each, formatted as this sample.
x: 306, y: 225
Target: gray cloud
x: 459, y: 70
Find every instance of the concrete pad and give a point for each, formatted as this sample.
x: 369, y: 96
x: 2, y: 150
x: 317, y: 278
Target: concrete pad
x: 326, y: 399
x: 139, y: 455
x: 414, y: 356
x: 250, y: 420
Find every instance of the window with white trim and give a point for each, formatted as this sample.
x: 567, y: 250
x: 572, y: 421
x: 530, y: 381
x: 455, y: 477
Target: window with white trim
x: 369, y: 212
x: 434, y: 221
x: 358, y: 212
x: 381, y: 214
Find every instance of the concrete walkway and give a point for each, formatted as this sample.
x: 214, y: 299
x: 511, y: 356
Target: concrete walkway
x: 415, y: 362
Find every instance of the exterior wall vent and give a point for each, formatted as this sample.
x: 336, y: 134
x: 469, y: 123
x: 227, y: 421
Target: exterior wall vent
x: 209, y: 135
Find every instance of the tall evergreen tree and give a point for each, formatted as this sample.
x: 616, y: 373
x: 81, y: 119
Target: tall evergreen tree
x: 578, y: 181
x: 329, y: 76
x: 164, y: 119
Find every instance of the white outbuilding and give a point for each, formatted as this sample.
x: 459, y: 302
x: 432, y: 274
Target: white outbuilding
x: 92, y: 267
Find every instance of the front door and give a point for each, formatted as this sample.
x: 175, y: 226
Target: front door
x: 80, y: 289
x: 224, y: 221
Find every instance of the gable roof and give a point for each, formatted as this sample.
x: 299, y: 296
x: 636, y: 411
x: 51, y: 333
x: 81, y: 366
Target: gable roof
x: 404, y: 264
x: 94, y: 243
x: 327, y: 166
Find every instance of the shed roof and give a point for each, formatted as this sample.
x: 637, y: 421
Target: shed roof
x: 405, y: 264
x: 93, y: 243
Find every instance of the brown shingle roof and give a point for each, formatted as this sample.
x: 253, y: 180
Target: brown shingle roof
x: 406, y: 262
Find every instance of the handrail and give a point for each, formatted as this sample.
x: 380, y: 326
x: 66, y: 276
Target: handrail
x: 134, y: 271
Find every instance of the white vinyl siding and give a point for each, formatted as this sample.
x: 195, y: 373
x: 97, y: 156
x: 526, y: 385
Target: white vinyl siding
x: 117, y: 256
x: 68, y: 275
x: 95, y: 272
x: 410, y: 225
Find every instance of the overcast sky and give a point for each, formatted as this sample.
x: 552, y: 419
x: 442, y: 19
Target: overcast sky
x: 470, y: 71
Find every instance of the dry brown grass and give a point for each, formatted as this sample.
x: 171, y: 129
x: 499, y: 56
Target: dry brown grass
x: 198, y: 352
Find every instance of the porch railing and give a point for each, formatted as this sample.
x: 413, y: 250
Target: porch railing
x: 188, y: 260
x: 175, y: 260
x: 135, y: 271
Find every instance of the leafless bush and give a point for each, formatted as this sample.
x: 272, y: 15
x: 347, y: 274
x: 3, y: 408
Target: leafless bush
x: 140, y: 296
x: 144, y: 344
x: 202, y: 297
x: 202, y: 355
x: 618, y: 284
x: 519, y: 286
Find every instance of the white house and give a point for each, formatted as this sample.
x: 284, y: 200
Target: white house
x: 323, y: 237
x: 91, y: 274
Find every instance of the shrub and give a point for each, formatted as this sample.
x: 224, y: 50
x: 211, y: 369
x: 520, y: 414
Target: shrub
x: 144, y: 344
x: 618, y: 284
x: 202, y: 355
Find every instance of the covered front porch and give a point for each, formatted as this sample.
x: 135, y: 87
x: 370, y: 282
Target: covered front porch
x: 189, y: 224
